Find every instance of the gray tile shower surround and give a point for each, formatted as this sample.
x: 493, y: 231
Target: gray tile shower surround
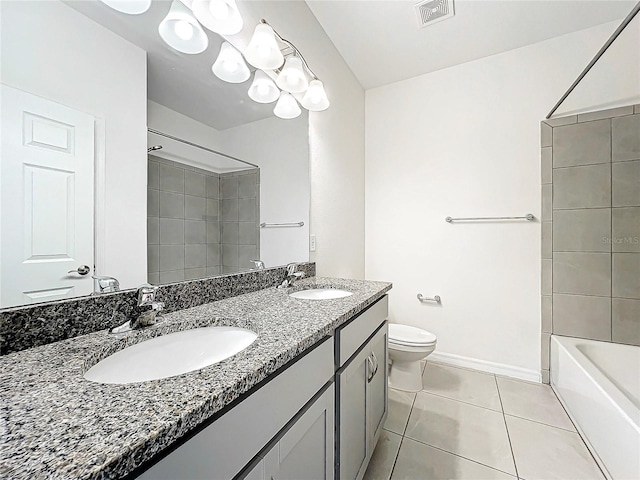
x: 591, y: 227
x: 40, y: 324
x: 56, y: 425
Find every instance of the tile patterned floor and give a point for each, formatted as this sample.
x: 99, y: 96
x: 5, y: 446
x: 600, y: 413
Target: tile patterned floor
x: 470, y: 425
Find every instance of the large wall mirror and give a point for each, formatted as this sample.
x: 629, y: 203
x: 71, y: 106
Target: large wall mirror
x: 122, y: 157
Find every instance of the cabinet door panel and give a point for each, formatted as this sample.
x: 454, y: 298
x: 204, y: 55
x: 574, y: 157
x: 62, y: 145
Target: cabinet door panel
x: 352, y: 383
x: 305, y: 452
x: 378, y: 388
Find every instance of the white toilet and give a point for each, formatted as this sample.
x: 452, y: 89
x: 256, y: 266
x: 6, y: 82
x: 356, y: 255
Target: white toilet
x: 407, y: 346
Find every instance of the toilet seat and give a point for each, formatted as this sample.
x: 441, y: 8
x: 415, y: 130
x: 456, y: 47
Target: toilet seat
x: 410, y: 336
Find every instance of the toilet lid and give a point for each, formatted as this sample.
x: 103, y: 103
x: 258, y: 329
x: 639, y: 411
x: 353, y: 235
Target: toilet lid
x: 407, y: 335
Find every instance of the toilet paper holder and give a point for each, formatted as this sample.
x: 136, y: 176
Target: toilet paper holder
x: 436, y: 299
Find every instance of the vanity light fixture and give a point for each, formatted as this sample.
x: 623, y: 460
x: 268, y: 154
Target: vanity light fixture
x: 181, y: 31
x: 292, y: 77
x: 263, y: 51
x: 132, y: 7
x: 230, y: 66
x: 287, y: 107
x: 220, y: 16
x: 315, y: 98
x: 263, y: 90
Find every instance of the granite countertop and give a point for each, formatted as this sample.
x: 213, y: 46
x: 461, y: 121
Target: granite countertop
x: 54, y: 424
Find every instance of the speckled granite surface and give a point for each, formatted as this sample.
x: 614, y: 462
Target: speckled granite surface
x: 40, y: 324
x: 54, y: 424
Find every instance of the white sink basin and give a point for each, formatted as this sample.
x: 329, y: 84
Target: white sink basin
x: 320, y: 294
x: 171, y: 354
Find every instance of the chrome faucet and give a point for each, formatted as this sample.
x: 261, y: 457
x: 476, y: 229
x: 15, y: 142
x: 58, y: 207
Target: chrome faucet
x: 106, y: 284
x: 292, y: 276
x: 259, y: 264
x: 146, y: 298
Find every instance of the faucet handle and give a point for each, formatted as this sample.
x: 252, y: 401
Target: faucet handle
x: 291, y: 268
x: 106, y: 284
x: 146, y: 294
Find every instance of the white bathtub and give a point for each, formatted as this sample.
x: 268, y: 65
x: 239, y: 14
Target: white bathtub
x: 599, y: 385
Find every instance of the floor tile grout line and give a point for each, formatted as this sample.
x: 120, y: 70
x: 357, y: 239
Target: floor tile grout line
x: 460, y: 401
x: 506, y: 427
x: 460, y: 456
x: 540, y: 423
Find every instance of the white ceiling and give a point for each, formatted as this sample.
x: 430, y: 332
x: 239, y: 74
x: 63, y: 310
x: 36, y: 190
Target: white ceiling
x: 381, y: 42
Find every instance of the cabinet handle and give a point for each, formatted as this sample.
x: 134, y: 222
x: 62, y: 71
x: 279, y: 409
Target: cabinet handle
x: 371, y: 368
x: 375, y: 359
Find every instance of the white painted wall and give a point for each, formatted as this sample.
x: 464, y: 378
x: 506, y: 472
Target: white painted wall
x: 465, y: 141
x: 281, y: 149
x: 50, y: 50
x: 336, y: 138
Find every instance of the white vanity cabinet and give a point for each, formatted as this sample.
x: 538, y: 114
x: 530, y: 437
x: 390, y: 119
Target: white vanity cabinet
x: 361, y: 383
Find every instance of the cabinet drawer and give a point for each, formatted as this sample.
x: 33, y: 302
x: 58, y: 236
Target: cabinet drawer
x: 350, y: 337
x: 223, y: 448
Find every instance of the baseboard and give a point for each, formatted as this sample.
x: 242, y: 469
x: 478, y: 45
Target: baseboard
x: 486, y: 366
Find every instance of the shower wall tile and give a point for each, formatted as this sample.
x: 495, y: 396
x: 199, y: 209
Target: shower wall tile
x: 171, y: 205
x: 247, y: 209
x: 547, y: 240
x: 171, y: 231
x: 195, y: 208
x: 213, y: 232
x: 230, y: 210
x: 153, y: 202
x: 247, y: 233
x: 585, y: 230
x: 582, y: 144
x: 545, y: 347
x: 625, y: 133
x: 582, y: 187
x: 248, y: 185
x: 230, y: 255
x: 626, y: 184
x: 194, y: 184
x: 153, y: 178
x: 212, y: 208
x: 153, y: 231
x: 153, y: 258
x: 545, y: 134
x: 609, y: 113
x: 228, y: 187
x: 230, y: 232
x: 172, y: 276
x: 212, y: 187
x: 546, y: 160
x: 547, y: 279
x: 153, y: 278
x: 636, y: 108
x: 214, y: 258
x: 195, y: 273
x: 582, y: 316
x: 582, y: 273
x: 195, y: 256
x: 246, y: 253
x: 626, y: 320
x: 171, y: 257
x: 547, y: 206
x: 195, y: 232
x: 171, y: 178
x: 626, y: 278
x: 547, y: 314
x: 626, y: 230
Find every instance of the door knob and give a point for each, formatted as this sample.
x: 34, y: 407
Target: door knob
x: 82, y: 270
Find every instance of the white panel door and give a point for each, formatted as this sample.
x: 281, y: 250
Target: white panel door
x: 46, y: 199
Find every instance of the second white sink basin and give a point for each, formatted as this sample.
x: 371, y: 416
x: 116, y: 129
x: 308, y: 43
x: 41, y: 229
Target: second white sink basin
x: 171, y: 354
x: 320, y: 294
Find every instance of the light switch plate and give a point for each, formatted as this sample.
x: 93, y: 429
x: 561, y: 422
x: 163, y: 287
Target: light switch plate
x: 312, y: 243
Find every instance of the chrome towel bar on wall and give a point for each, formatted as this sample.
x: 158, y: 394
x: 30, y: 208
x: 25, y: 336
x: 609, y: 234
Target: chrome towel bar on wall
x: 528, y: 216
x: 292, y: 224
x: 436, y: 299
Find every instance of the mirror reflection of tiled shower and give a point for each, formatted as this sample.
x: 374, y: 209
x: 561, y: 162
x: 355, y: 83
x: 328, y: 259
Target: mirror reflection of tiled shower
x: 199, y: 223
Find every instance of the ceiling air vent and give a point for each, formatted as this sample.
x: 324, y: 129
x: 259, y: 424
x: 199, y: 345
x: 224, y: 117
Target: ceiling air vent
x: 433, y: 11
